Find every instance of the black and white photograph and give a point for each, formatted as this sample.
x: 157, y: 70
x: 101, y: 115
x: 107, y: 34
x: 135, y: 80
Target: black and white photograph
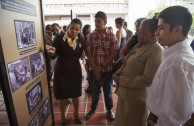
x: 19, y: 73
x: 37, y: 63
x: 25, y: 33
x: 44, y: 111
x: 34, y: 96
x: 35, y: 121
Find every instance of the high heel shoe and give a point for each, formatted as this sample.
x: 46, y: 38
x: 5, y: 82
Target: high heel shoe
x: 77, y: 118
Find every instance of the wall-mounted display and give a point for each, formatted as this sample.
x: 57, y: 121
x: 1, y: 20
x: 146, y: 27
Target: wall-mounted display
x: 25, y: 33
x: 34, y: 96
x: 19, y: 73
x: 44, y: 111
x: 37, y: 63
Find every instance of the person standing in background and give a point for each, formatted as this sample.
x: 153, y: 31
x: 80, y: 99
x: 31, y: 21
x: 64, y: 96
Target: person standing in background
x: 129, y: 32
x: 87, y: 30
x: 65, y: 28
x: 130, y: 43
x: 57, y: 29
x: 48, y: 41
x: 110, y: 29
x: 171, y: 95
x: 121, y: 36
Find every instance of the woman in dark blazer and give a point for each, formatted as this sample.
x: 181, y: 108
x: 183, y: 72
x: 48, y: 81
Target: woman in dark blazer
x: 67, y: 72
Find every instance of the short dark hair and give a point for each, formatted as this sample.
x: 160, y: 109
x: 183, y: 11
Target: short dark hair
x: 55, y: 24
x: 85, y: 28
x: 76, y: 21
x: 177, y: 15
x: 152, y: 24
x: 101, y: 15
x: 138, y: 21
x: 48, y: 27
x: 125, y: 23
x: 119, y: 21
x: 65, y: 27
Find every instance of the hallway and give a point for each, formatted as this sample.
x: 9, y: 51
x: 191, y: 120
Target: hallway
x: 99, y: 118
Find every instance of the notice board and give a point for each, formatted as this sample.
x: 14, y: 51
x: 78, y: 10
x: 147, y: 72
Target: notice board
x: 23, y: 67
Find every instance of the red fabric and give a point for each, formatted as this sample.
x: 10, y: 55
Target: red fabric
x: 100, y: 46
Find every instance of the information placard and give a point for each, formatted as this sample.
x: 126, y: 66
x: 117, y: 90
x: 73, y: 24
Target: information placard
x: 22, y: 62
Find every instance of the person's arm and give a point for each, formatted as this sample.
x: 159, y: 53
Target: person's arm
x: 113, y: 51
x: 90, y: 59
x: 177, y: 105
x: 118, y: 35
x: 144, y: 80
x: 96, y: 69
x: 52, y: 50
x: 125, y: 47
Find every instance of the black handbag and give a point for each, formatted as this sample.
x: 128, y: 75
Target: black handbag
x: 117, y: 65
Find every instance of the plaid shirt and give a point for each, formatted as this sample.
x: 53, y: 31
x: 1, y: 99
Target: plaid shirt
x: 100, y: 46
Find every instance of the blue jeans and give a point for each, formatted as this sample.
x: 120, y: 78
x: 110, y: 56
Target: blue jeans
x: 96, y: 87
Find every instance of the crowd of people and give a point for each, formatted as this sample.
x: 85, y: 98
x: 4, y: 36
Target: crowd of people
x: 152, y: 69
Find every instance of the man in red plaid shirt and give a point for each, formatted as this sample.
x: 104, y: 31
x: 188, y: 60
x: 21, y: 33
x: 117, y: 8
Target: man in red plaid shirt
x: 101, y: 47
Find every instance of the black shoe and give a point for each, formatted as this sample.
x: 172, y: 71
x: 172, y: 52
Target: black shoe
x: 88, y: 91
x: 89, y: 114
x: 77, y: 119
x: 110, y: 115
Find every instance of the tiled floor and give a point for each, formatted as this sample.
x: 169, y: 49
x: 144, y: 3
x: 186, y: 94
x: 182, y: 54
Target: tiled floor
x: 99, y: 118
x: 4, y: 121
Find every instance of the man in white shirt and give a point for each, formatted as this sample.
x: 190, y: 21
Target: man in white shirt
x: 171, y: 95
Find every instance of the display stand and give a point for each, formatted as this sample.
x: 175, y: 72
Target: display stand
x: 23, y: 75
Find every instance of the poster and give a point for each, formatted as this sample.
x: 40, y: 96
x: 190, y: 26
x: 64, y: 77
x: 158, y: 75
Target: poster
x: 37, y: 63
x: 44, y: 111
x: 25, y: 33
x: 34, y: 96
x: 19, y: 73
x: 42, y: 115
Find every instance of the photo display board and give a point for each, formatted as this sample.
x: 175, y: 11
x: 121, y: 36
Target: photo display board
x: 23, y: 62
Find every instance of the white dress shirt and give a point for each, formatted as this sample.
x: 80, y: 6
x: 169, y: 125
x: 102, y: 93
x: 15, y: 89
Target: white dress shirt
x: 171, y: 95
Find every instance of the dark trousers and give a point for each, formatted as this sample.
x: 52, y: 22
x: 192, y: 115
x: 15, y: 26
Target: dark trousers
x: 106, y: 85
x: 90, y: 79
